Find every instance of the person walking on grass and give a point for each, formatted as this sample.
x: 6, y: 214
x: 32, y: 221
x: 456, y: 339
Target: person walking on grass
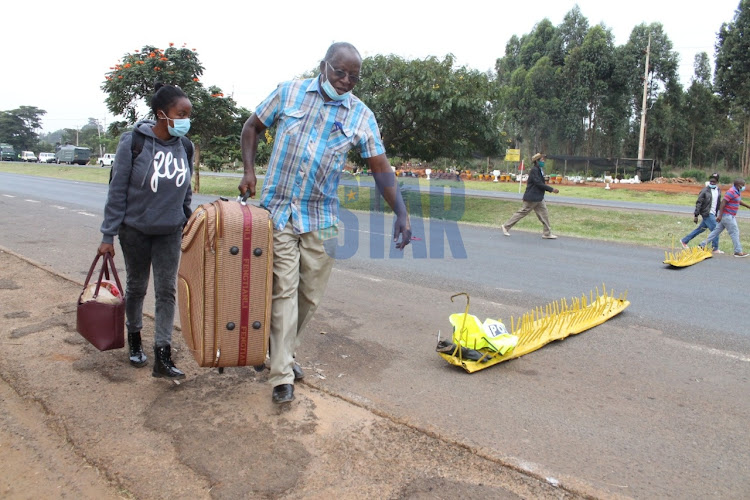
x: 726, y: 219
x: 533, y: 199
x: 707, y: 206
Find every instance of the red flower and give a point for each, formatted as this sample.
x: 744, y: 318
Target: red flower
x: 196, y: 79
x: 171, y: 44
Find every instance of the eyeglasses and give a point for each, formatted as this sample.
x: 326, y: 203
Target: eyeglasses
x: 355, y: 79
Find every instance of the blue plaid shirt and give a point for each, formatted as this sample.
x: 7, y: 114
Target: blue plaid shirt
x: 312, y: 140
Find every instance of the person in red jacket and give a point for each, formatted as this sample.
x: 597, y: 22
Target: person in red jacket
x: 533, y: 199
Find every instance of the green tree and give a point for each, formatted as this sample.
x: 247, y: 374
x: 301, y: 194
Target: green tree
x: 427, y: 109
x: 586, y: 84
x: 218, y: 129
x: 662, y: 73
x: 18, y: 127
x: 701, y: 109
x: 732, y: 70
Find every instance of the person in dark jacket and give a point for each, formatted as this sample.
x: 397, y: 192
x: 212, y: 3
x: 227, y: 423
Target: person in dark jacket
x: 148, y: 203
x: 706, y: 206
x: 533, y: 199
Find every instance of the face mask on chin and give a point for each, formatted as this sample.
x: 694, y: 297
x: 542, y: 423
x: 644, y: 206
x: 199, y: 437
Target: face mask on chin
x: 328, y: 88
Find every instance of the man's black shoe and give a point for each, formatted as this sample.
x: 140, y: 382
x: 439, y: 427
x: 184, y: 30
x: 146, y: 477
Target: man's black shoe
x: 283, y: 393
x: 298, y: 373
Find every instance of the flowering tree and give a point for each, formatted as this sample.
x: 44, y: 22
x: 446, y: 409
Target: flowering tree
x: 129, y: 86
x: 131, y: 81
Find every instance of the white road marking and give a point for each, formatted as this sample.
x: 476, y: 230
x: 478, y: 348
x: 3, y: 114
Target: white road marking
x: 718, y: 352
x: 87, y: 214
x: 33, y: 201
x: 9, y: 196
x: 58, y: 207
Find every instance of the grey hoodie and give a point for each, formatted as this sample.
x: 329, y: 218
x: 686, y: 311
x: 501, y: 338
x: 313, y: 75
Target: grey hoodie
x: 153, y: 193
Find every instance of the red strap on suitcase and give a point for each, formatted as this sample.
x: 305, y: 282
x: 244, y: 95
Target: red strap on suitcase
x: 247, y: 239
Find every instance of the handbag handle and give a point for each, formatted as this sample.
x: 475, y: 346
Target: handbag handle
x: 104, y: 273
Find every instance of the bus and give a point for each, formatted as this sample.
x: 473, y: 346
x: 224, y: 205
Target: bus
x: 72, y: 154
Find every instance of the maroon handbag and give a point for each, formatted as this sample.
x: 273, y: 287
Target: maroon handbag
x: 102, y: 324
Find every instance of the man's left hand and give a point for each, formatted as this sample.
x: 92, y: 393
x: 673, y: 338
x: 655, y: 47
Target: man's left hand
x: 401, y: 229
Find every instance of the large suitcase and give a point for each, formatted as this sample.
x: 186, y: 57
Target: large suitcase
x: 224, y: 284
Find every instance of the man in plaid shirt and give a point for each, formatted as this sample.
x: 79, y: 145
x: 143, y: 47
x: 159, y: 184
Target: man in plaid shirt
x: 318, y: 121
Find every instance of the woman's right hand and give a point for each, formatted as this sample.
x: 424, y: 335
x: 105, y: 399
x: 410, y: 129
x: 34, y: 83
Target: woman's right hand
x: 106, y: 248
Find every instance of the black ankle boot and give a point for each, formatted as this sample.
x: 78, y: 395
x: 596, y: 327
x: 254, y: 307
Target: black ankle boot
x: 163, y: 366
x: 137, y: 358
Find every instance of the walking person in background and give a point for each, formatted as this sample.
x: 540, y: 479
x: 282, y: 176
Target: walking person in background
x: 706, y: 206
x: 147, y: 205
x: 726, y: 218
x: 533, y: 199
x: 318, y: 121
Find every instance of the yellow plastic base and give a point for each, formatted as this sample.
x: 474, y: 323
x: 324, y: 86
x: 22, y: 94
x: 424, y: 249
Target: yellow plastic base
x: 539, y: 327
x: 687, y: 257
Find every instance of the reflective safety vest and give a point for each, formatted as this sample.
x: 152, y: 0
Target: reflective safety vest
x: 491, y: 335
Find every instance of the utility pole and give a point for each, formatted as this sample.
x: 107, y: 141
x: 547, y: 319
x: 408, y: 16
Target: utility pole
x: 642, y: 140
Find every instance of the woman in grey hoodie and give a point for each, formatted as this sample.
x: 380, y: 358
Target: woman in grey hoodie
x: 147, y: 205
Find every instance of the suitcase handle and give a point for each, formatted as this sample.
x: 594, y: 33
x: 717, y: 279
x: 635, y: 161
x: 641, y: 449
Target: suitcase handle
x: 192, y: 228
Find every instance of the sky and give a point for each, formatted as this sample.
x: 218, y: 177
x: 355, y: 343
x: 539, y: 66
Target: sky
x: 55, y: 54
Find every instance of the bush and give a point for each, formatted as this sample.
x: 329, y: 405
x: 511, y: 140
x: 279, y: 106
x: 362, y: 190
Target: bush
x: 698, y: 175
x: 726, y: 179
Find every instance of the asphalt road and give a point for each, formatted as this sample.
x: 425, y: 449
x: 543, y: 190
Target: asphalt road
x: 653, y: 403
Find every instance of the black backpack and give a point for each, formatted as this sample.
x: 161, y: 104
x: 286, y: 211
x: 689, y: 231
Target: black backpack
x: 136, y: 146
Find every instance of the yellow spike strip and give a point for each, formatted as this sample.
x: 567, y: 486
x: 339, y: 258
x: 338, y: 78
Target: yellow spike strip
x: 543, y: 325
x: 687, y: 257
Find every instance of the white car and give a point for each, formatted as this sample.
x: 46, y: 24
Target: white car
x: 46, y: 158
x: 107, y: 160
x: 28, y: 156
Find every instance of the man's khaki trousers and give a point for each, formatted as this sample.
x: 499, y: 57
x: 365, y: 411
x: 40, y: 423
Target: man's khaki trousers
x: 302, y: 264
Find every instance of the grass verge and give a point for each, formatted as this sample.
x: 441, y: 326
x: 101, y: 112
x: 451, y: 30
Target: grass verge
x: 624, y: 226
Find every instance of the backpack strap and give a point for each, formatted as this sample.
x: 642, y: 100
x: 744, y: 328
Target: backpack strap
x: 136, y: 144
x: 188, y: 145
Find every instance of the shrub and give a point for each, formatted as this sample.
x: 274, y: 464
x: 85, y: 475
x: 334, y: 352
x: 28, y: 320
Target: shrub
x: 725, y: 179
x: 698, y: 175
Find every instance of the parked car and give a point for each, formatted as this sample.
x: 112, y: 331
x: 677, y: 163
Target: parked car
x: 46, y: 158
x: 73, y: 154
x: 28, y: 156
x: 107, y: 160
x: 8, y: 153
